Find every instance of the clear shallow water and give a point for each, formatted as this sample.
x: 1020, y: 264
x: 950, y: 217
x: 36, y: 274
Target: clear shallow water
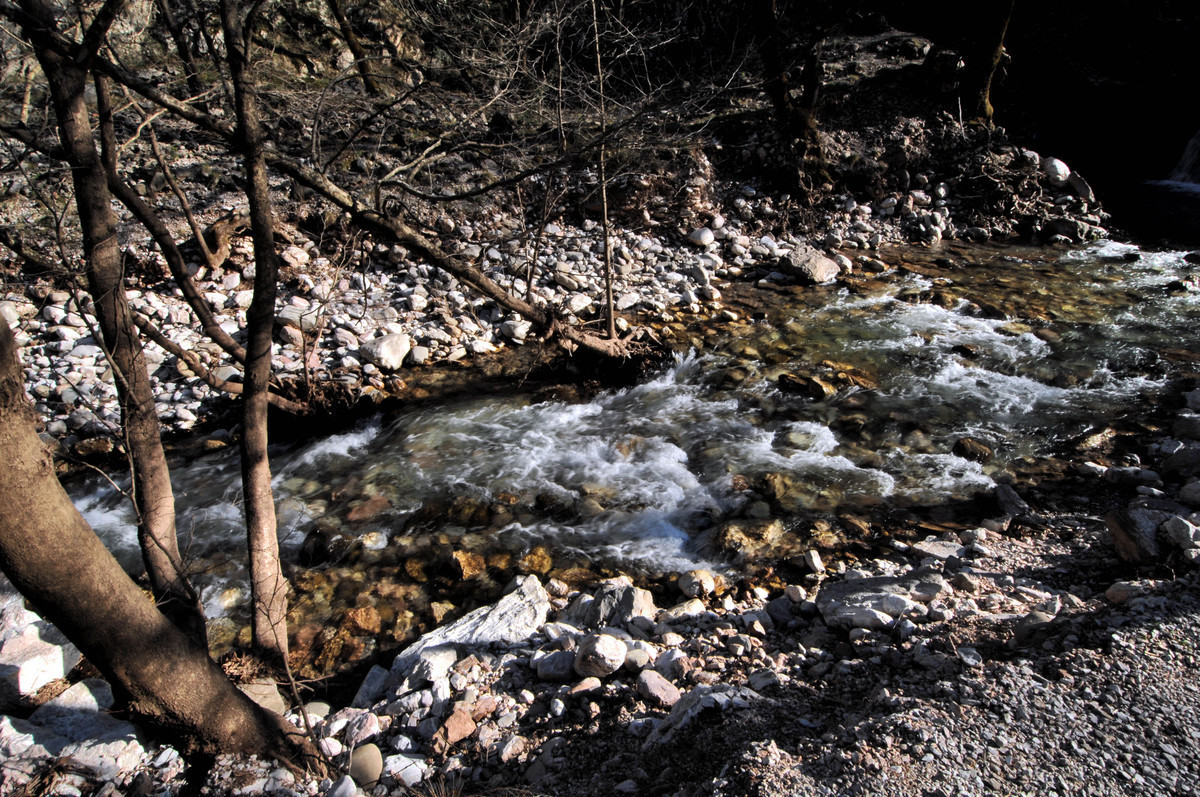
x: 635, y: 478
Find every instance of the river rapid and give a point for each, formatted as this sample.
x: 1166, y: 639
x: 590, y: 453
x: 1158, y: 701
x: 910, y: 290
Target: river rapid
x: 826, y: 417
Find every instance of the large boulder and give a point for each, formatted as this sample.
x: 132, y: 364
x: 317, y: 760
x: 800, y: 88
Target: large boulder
x: 387, y: 351
x: 615, y: 603
x: 513, y: 618
x: 809, y: 266
x: 874, y: 603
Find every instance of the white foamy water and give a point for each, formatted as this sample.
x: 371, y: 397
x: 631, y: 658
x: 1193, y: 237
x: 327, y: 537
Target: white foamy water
x: 338, y: 446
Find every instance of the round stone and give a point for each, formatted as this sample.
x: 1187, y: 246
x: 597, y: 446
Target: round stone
x: 366, y: 765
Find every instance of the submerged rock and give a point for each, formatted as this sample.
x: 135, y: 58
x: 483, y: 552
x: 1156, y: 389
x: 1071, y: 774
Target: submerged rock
x: 974, y: 450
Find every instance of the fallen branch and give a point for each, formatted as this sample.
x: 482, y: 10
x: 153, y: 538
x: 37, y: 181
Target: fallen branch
x: 199, y: 369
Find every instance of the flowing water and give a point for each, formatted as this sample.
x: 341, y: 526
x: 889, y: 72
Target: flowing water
x: 1027, y: 352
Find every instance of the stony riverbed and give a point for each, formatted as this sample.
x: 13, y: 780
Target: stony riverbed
x: 880, y: 669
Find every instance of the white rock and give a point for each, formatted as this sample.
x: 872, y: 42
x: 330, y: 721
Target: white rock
x: 343, y: 787
x: 33, y: 659
x: 419, y: 355
x: 600, y: 655
x: 405, y: 769
x: 514, y: 618
x: 578, y: 303
x: 516, y: 329
x: 627, y: 300
x: 1181, y: 532
x: 1057, y: 172
x: 306, y: 319
x: 434, y: 663
x: 295, y: 256
x: 701, y: 236
x: 387, y: 351
x: 812, y: 558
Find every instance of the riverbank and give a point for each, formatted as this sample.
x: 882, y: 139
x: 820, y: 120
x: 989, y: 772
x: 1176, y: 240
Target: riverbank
x: 1022, y: 653
x: 1003, y: 655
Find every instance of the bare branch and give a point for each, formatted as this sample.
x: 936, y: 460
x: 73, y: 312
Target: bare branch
x: 198, y: 368
x: 101, y: 23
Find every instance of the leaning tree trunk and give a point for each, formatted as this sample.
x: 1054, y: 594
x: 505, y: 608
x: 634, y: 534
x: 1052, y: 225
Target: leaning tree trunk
x: 154, y: 497
x: 57, y: 562
x: 361, y: 59
x: 267, y: 585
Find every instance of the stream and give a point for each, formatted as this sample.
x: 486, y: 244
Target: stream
x: 821, y: 411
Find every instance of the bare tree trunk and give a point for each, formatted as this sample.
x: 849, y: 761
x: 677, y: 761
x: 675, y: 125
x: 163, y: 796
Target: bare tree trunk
x: 985, y: 59
x: 154, y: 497
x: 610, y: 307
x: 175, y: 27
x: 356, y: 48
x: 52, y: 556
x: 796, y: 118
x: 267, y: 585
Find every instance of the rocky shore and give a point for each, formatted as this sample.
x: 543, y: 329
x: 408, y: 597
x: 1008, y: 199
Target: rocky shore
x: 1036, y: 651
x: 370, y: 321
x: 1039, y: 649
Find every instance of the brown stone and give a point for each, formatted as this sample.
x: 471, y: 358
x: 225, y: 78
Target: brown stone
x: 416, y: 570
x: 816, y: 389
x: 857, y: 525
x: 440, y: 609
x: 368, y: 510
x: 363, y: 621
x: 500, y: 560
x: 470, y: 564
x: 458, y: 726
x: 484, y: 707
x: 657, y: 689
x: 537, y: 561
x: 751, y: 539
x: 589, y: 684
x: 971, y: 449
x: 94, y: 446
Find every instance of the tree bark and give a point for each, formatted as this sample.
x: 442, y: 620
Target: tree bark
x: 985, y: 60
x: 154, y: 497
x: 57, y: 562
x: 175, y: 27
x: 356, y: 48
x: 267, y: 586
